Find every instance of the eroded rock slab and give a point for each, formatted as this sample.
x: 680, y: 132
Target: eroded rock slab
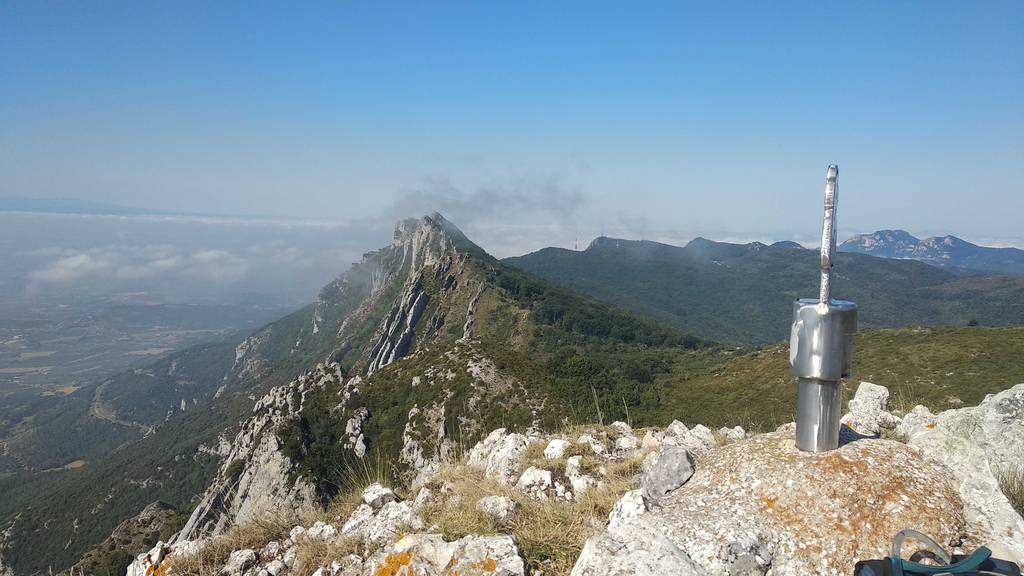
x: 977, y: 444
x: 760, y: 504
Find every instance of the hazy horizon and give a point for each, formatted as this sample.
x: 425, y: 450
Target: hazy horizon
x: 535, y: 123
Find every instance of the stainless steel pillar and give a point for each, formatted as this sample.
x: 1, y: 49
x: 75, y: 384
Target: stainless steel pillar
x: 821, y: 344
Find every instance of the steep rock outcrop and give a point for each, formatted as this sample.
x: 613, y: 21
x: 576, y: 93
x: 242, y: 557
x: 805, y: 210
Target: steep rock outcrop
x: 978, y: 444
x: 256, y: 477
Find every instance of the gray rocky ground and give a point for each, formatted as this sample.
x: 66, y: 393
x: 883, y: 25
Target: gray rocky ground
x: 722, y: 503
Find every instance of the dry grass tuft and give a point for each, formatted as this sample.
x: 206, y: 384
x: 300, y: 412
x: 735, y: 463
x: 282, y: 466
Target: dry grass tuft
x: 256, y: 534
x: 1011, y: 482
x: 312, y: 554
x: 534, y: 453
x: 550, y: 534
x: 336, y: 512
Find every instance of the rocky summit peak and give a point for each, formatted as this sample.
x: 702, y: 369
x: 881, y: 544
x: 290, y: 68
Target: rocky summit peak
x: 604, y: 242
x: 428, y: 238
x: 433, y: 223
x: 945, y: 251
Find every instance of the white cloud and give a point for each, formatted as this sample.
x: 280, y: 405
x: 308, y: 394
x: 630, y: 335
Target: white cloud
x: 71, y: 268
x: 146, y: 262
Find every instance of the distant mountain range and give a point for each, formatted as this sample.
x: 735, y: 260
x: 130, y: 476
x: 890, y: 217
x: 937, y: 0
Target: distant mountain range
x: 742, y: 293
x: 428, y: 343
x: 943, y: 251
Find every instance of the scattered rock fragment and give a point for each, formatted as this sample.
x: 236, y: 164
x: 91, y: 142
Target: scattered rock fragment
x: 556, y: 449
x: 664, y: 471
x: 501, y: 508
x: 499, y: 455
x: 375, y: 496
x: 535, y: 482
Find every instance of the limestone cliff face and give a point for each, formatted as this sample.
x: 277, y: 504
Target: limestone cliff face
x: 369, y: 315
x: 416, y: 301
x: 255, y: 476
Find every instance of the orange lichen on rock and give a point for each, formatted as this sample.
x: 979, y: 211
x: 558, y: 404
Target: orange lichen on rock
x: 158, y: 569
x: 398, y: 564
x: 488, y: 564
x: 824, y: 511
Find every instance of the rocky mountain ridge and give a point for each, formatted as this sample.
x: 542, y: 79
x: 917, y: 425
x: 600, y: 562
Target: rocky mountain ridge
x: 700, y: 503
x: 399, y: 366
x: 741, y: 294
x: 340, y: 325
x: 943, y: 251
x: 421, y: 347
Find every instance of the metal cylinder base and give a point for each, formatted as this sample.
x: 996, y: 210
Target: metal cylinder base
x: 818, y: 410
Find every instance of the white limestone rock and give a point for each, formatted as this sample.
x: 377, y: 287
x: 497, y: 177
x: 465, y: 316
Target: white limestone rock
x: 354, y: 431
x: 501, y: 508
x: 696, y: 440
x: 733, y: 434
x: 271, y: 550
x: 629, y: 507
x: 275, y: 568
x: 676, y: 428
x: 535, y: 482
x: 423, y: 497
x: 626, y: 443
x: 357, y: 521
x: 745, y: 557
x: 787, y: 428
x: 350, y: 565
x: 596, y: 446
x: 147, y: 563
x: 652, y: 440
x: 580, y: 481
x: 556, y: 449
x: 625, y: 440
x: 499, y: 455
x: 376, y: 496
x: 321, y: 531
x: 255, y: 477
x: 393, y: 518
x: 977, y: 443
x: 289, y: 557
x: 868, y: 410
x: 431, y: 555
x: 633, y: 547
x: 622, y: 428
x: 238, y: 562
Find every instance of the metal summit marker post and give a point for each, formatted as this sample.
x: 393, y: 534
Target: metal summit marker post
x: 821, y: 344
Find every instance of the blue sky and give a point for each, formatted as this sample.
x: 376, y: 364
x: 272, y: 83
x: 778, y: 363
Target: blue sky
x: 541, y: 120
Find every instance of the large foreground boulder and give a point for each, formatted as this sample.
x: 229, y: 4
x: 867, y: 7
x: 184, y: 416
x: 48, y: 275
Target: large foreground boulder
x: 499, y: 455
x: 978, y: 444
x: 761, y: 504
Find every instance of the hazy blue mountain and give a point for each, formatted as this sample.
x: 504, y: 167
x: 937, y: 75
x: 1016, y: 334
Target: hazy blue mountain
x: 943, y: 251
